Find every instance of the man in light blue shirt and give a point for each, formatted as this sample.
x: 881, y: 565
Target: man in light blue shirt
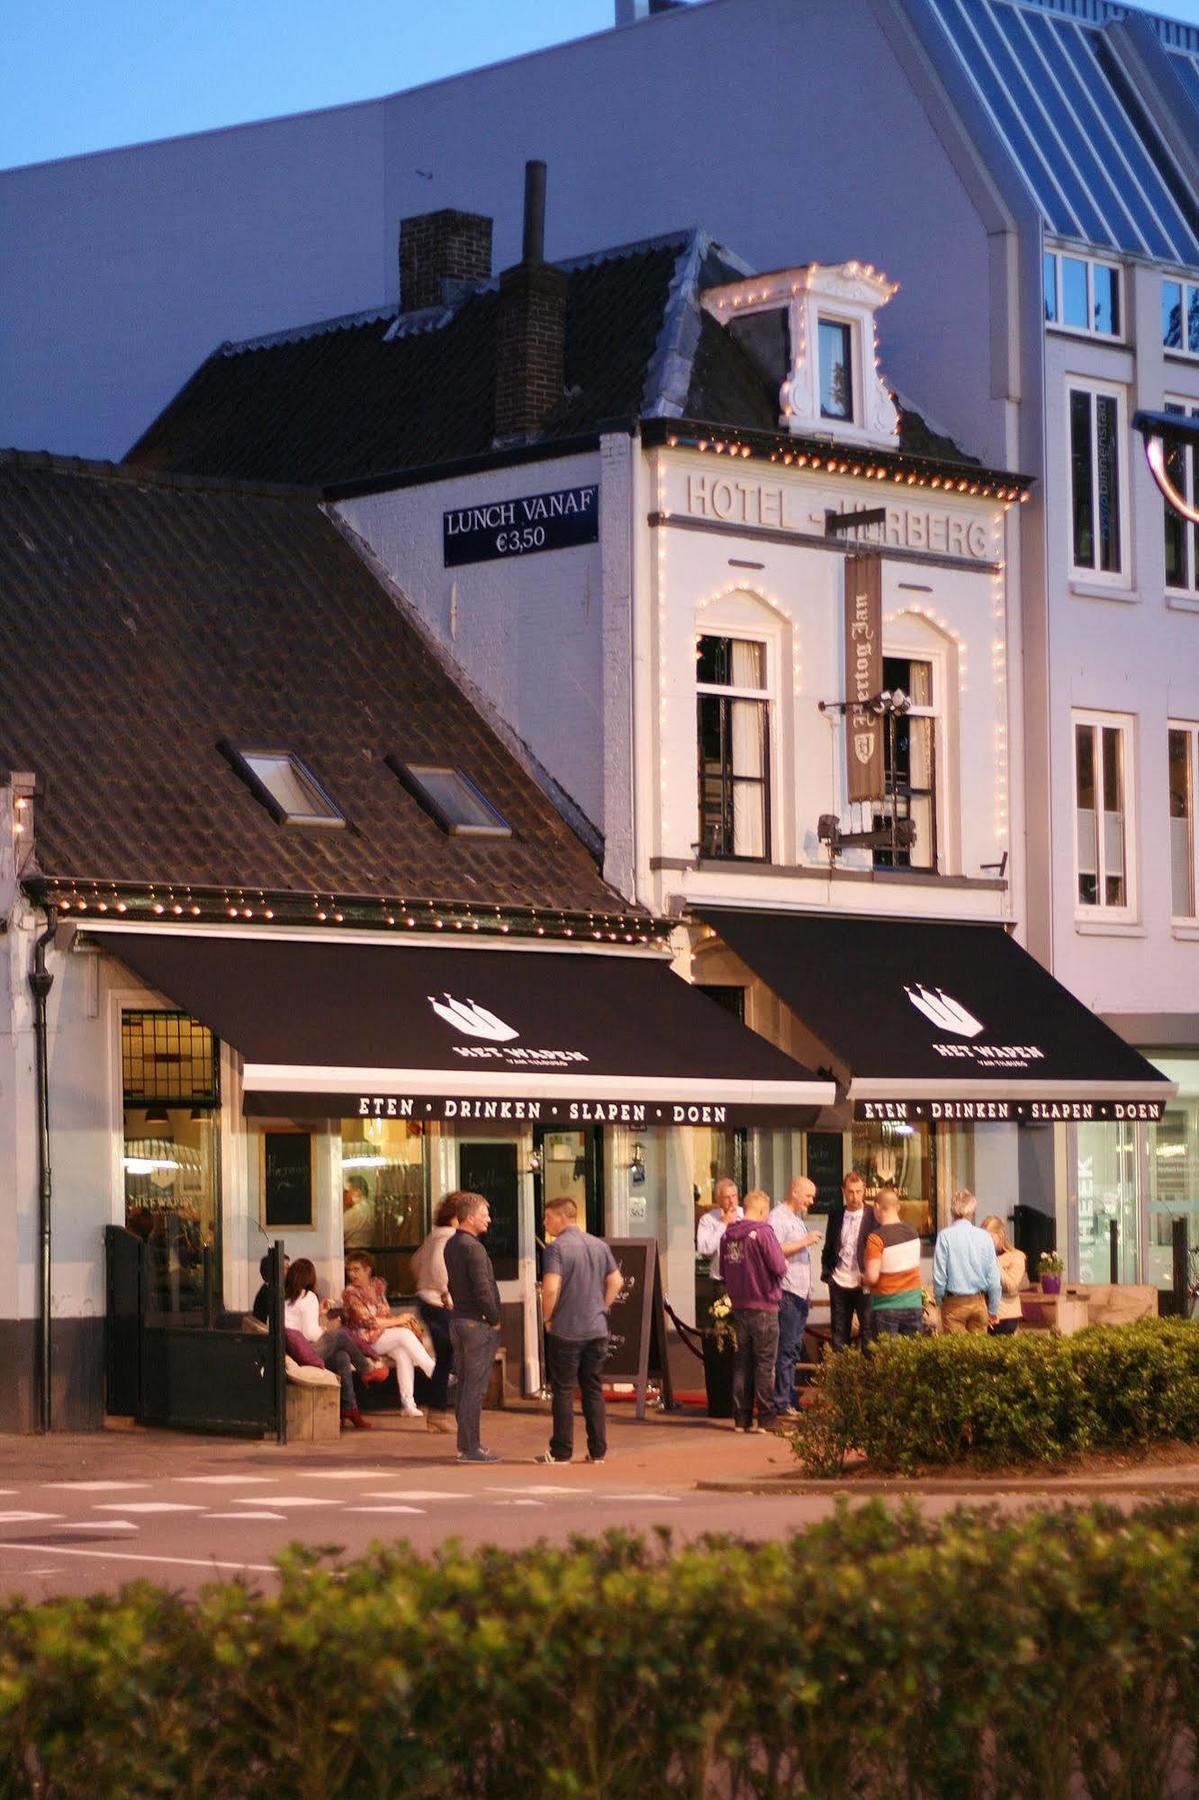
x: 965, y: 1271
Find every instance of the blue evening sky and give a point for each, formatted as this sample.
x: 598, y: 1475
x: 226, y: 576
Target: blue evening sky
x: 78, y: 75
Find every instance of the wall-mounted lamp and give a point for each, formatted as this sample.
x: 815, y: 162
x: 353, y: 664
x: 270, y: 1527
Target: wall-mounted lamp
x: 1166, y: 433
x: 536, y: 1161
x: 637, y: 1166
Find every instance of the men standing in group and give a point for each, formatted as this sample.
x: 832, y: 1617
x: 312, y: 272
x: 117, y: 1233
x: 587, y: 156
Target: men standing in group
x: 966, y: 1270
x: 850, y: 1224
x: 715, y: 1223
x: 579, y: 1282
x: 474, y: 1319
x: 752, y: 1267
x: 788, y: 1222
x: 893, y: 1271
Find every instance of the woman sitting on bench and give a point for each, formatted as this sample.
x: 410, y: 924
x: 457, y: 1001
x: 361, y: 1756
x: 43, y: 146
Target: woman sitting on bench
x: 303, y: 1312
x: 366, y: 1311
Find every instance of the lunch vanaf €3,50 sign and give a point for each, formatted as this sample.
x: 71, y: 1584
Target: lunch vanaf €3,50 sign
x: 520, y: 527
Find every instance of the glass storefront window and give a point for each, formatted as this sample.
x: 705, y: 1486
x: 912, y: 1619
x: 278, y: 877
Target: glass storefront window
x: 900, y: 1155
x: 170, y: 1159
x: 384, y: 1198
x: 1107, y: 1196
x: 1173, y: 1187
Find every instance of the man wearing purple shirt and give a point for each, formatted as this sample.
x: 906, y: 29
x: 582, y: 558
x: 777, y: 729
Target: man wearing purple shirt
x: 752, y: 1267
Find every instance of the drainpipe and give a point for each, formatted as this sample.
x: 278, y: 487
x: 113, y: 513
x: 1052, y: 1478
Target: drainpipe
x: 41, y: 981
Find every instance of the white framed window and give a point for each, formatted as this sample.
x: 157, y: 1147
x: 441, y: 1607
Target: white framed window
x: 733, y: 747
x: 1180, y: 317
x: 837, y: 364
x: 287, y: 788
x: 1184, y: 784
x: 1098, y: 480
x: 1182, y: 538
x: 1103, y: 835
x: 1081, y: 294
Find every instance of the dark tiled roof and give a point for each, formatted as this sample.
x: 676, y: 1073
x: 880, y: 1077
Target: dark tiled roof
x: 361, y: 398
x: 144, y: 619
x: 347, y: 400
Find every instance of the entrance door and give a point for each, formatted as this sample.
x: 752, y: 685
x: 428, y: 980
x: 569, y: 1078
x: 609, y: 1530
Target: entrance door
x: 571, y: 1168
x: 1108, y: 1174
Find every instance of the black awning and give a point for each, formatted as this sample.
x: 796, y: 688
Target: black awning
x: 408, y: 1031
x: 942, y: 1021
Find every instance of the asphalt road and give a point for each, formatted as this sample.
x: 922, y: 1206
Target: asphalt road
x: 88, y: 1514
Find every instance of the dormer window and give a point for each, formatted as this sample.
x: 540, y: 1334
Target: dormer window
x: 811, y: 332
x: 287, y: 788
x: 836, y: 370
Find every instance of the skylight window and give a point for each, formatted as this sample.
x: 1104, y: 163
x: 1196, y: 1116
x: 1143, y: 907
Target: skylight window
x: 452, y: 799
x: 288, y: 789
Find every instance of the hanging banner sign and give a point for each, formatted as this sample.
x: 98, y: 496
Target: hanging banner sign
x: 863, y: 676
x: 1014, y: 1112
x: 520, y: 527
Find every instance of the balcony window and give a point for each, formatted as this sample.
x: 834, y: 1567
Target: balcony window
x: 910, y: 767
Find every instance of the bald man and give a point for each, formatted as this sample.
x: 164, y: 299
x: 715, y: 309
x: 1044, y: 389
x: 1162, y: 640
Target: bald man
x: 788, y: 1221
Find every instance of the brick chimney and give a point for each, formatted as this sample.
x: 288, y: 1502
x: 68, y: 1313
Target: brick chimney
x: 530, y: 329
x: 440, y: 252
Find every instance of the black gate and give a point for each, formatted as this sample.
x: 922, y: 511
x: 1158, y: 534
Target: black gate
x: 189, y: 1371
x: 124, y: 1257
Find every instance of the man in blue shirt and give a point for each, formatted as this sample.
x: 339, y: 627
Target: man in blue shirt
x: 965, y: 1271
x: 579, y: 1282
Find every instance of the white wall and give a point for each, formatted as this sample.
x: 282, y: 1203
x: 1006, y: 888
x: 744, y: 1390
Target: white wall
x: 527, y: 630
x: 790, y: 134
x: 792, y: 596
x: 1131, y: 650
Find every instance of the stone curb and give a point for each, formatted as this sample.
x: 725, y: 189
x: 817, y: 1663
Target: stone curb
x: 899, y: 1486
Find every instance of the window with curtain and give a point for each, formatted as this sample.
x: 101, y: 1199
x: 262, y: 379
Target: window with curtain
x: 733, y: 748
x: 1095, y: 481
x: 910, y: 766
x: 1101, y: 790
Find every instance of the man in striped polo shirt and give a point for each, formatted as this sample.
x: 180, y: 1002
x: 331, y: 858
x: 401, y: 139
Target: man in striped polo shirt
x: 892, y: 1271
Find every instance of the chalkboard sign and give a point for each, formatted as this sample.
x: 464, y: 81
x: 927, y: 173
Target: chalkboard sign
x: 637, y: 1344
x: 285, y: 1172
x: 826, y: 1166
x: 490, y: 1170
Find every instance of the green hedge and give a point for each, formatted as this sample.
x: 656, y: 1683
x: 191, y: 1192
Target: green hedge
x: 1044, y: 1655
x: 1035, y: 1398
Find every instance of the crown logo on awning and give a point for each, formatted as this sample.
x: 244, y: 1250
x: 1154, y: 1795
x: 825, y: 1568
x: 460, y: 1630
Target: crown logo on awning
x: 473, y: 1020
x: 943, y: 1011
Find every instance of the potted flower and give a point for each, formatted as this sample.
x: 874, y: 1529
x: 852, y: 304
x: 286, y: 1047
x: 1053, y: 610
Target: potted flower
x: 718, y: 1341
x: 1049, y: 1270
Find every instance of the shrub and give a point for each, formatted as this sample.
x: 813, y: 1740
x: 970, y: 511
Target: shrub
x: 1032, y: 1398
x: 1040, y: 1655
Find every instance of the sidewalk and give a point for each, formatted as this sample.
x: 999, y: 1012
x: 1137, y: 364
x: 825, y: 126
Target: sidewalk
x: 665, y: 1450
x: 678, y: 1452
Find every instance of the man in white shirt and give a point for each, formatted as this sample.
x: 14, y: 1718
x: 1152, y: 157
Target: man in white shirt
x: 850, y: 1224
x: 716, y: 1221
x: 788, y: 1221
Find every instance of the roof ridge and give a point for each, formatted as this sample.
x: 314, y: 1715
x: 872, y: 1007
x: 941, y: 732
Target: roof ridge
x: 140, y: 475
x: 432, y: 318
x: 297, y: 334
